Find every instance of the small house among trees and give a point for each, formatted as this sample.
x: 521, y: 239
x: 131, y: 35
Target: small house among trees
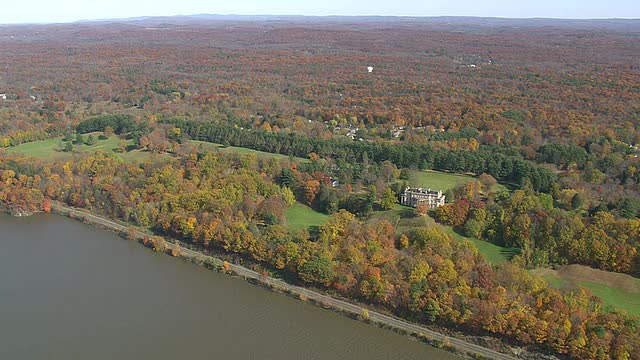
x: 415, y: 196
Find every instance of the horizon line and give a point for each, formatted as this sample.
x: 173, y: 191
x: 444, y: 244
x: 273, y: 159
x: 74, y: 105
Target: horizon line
x: 147, y: 17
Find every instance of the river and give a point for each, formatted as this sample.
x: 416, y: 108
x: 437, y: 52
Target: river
x: 71, y: 291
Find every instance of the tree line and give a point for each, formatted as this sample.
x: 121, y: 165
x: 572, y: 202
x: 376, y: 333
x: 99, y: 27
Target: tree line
x: 544, y: 233
x: 504, y: 167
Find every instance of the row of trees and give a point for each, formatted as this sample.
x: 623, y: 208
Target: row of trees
x: 489, y: 160
x: 119, y: 124
x: 21, y: 137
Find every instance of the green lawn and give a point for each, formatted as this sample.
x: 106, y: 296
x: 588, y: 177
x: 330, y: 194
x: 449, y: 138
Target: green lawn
x: 39, y: 149
x: 400, y: 216
x: 611, y: 296
x: 437, y: 180
x: 51, y: 149
x: 302, y: 217
x: 243, y: 151
x: 493, y: 253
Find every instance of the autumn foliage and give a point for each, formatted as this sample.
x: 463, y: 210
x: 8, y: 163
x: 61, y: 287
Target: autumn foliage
x: 548, y: 111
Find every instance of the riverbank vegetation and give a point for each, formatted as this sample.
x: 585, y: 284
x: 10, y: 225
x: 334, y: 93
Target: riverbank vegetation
x: 234, y: 204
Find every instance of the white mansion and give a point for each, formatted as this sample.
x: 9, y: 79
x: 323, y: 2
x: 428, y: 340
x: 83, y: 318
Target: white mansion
x: 414, y: 196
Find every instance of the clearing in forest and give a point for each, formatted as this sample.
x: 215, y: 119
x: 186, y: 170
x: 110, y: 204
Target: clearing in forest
x: 302, y: 217
x: 437, y: 180
x: 53, y: 149
x: 621, y: 291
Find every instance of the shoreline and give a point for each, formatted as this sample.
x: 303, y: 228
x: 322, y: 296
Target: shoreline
x: 429, y: 336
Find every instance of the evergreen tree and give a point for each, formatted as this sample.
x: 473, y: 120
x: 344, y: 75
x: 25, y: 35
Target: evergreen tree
x: 91, y: 140
x: 577, y: 201
x: 79, y: 139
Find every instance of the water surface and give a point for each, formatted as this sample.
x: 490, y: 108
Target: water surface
x: 71, y: 291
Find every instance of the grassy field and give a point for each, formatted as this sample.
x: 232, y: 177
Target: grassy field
x: 302, y: 217
x: 243, y: 151
x: 44, y: 149
x: 437, y: 180
x: 616, y: 290
x: 617, y: 298
x: 402, y: 218
x: 493, y: 253
x: 51, y: 149
x: 611, y: 296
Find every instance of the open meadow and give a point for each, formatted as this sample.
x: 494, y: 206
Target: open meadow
x: 53, y: 149
x: 302, y: 217
x: 616, y: 290
x: 437, y: 180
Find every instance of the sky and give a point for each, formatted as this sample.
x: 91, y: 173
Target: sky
x: 48, y: 11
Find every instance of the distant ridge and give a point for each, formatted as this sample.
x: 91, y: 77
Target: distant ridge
x: 617, y: 24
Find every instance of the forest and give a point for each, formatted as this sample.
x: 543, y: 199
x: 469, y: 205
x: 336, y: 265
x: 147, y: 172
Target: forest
x: 544, y: 120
